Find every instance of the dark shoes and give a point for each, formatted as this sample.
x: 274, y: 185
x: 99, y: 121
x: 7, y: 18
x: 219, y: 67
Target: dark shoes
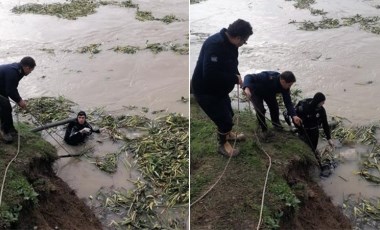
x: 227, y: 150
x: 7, y: 137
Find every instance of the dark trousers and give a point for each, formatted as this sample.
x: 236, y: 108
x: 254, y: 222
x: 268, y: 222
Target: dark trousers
x: 271, y: 101
x: 6, y: 114
x: 310, y: 136
x: 218, y: 109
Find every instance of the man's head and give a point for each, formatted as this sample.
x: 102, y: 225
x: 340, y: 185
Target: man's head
x: 319, y: 99
x: 81, y: 117
x: 28, y: 65
x: 287, y: 79
x: 238, y: 32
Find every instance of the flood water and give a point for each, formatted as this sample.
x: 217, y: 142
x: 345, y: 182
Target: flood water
x: 337, y: 62
x: 107, y: 79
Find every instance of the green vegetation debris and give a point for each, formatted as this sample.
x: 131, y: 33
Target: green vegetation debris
x: 92, y: 49
x: 71, y: 10
x: 49, y: 51
x: 49, y: 109
x: 126, y: 49
x: 162, y: 156
x: 156, y: 47
x: 365, y: 213
x: 169, y: 19
x: 369, y: 24
x: 303, y: 4
x: 144, y: 16
x: 129, y: 4
x: 108, y: 163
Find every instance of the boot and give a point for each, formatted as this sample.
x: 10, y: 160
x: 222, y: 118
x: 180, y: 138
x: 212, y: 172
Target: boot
x: 7, y: 137
x: 232, y: 136
x: 225, y: 147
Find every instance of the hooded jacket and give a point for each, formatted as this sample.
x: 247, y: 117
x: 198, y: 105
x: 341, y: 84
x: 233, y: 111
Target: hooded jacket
x: 10, y: 76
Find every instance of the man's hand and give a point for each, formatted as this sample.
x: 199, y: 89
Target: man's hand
x: 22, y: 104
x: 240, y: 82
x: 247, y: 92
x: 297, y: 120
x: 85, y: 130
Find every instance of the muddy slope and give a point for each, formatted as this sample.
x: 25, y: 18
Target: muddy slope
x: 58, y: 206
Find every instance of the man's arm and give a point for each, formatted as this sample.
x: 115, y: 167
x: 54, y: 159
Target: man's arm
x: 325, y: 124
x: 68, y: 131
x: 11, y: 84
x: 290, y: 108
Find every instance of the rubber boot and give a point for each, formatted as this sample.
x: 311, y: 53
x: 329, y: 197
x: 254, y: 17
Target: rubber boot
x: 232, y: 136
x: 7, y: 137
x: 225, y: 147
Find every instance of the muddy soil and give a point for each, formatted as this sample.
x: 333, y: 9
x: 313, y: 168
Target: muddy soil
x: 58, y: 206
x: 318, y: 211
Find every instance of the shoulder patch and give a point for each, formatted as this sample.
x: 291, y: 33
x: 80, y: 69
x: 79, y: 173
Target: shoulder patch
x: 214, y: 58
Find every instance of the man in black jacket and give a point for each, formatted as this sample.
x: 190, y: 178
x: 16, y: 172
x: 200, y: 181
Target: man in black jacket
x: 10, y: 75
x: 313, y: 114
x: 265, y: 86
x: 215, y: 76
x: 78, y: 130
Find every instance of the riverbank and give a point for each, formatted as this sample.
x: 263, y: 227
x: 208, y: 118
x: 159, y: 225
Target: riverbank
x: 293, y: 199
x: 34, y: 194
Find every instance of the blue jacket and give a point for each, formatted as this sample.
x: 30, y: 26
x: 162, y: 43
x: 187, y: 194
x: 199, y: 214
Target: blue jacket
x: 10, y: 75
x: 267, y: 84
x: 217, y: 66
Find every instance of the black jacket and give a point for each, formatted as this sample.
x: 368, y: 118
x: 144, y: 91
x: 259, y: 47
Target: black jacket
x: 72, y: 133
x: 312, y: 116
x: 10, y: 75
x: 266, y: 84
x: 217, y: 66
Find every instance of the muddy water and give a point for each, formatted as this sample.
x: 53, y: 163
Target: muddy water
x: 106, y: 79
x: 337, y: 62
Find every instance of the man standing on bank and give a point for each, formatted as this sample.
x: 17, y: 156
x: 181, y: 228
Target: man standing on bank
x: 10, y: 75
x: 215, y: 76
x: 265, y: 86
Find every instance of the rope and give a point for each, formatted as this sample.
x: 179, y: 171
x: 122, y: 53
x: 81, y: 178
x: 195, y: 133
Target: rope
x: 39, y: 123
x: 228, y: 162
x: 14, y: 158
x: 267, y: 173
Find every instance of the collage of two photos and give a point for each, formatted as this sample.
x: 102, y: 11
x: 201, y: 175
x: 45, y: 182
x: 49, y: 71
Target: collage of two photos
x: 200, y: 114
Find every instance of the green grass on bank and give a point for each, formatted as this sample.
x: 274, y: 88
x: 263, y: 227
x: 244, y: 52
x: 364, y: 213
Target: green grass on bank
x: 235, y: 201
x: 18, y: 192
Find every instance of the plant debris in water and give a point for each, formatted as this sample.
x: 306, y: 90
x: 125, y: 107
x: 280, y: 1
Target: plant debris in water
x: 162, y: 156
x: 92, y: 49
x: 108, y: 163
x: 370, y: 24
x: 49, y: 109
x: 71, y: 10
x: 364, y: 212
x: 126, y: 49
x: 155, y: 48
